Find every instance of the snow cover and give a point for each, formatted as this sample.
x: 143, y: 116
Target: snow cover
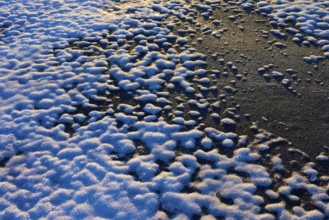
x: 310, y: 17
x: 91, y: 125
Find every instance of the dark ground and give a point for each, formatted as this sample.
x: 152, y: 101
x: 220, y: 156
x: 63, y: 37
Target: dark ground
x: 299, y: 114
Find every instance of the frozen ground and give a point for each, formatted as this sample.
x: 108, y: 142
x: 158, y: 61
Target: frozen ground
x: 139, y: 109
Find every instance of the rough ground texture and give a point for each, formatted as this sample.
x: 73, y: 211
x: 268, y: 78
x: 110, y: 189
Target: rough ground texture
x: 164, y: 109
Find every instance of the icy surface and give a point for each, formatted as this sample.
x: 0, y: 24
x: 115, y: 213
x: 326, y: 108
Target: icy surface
x: 96, y: 119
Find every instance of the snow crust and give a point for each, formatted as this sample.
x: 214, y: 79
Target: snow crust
x: 86, y: 93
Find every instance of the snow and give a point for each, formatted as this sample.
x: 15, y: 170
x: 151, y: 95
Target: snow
x: 310, y: 17
x: 91, y: 127
x: 227, y: 143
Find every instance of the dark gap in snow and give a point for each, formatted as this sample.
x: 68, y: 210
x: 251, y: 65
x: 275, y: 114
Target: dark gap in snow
x: 261, y: 191
x: 135, y: 176
x: 69, y: 128
x: 323, y: 168
x: 4, y: 161
x: 162, y: 208
x: 141, y: 149
x: 305, y: 197
x: 163, y: 166
x: 243, y: 175
x: 189, y: 189
x: 199, y: 216
x: 122, y: 158
x: 227, y: 151
x: 227, y: 201
x: 206, y: 162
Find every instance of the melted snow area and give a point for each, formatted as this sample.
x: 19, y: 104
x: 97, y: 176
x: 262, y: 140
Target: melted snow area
x: 102, y: 117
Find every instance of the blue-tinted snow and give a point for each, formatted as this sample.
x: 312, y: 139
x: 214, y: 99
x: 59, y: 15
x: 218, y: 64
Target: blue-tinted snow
x: 124, y: 160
